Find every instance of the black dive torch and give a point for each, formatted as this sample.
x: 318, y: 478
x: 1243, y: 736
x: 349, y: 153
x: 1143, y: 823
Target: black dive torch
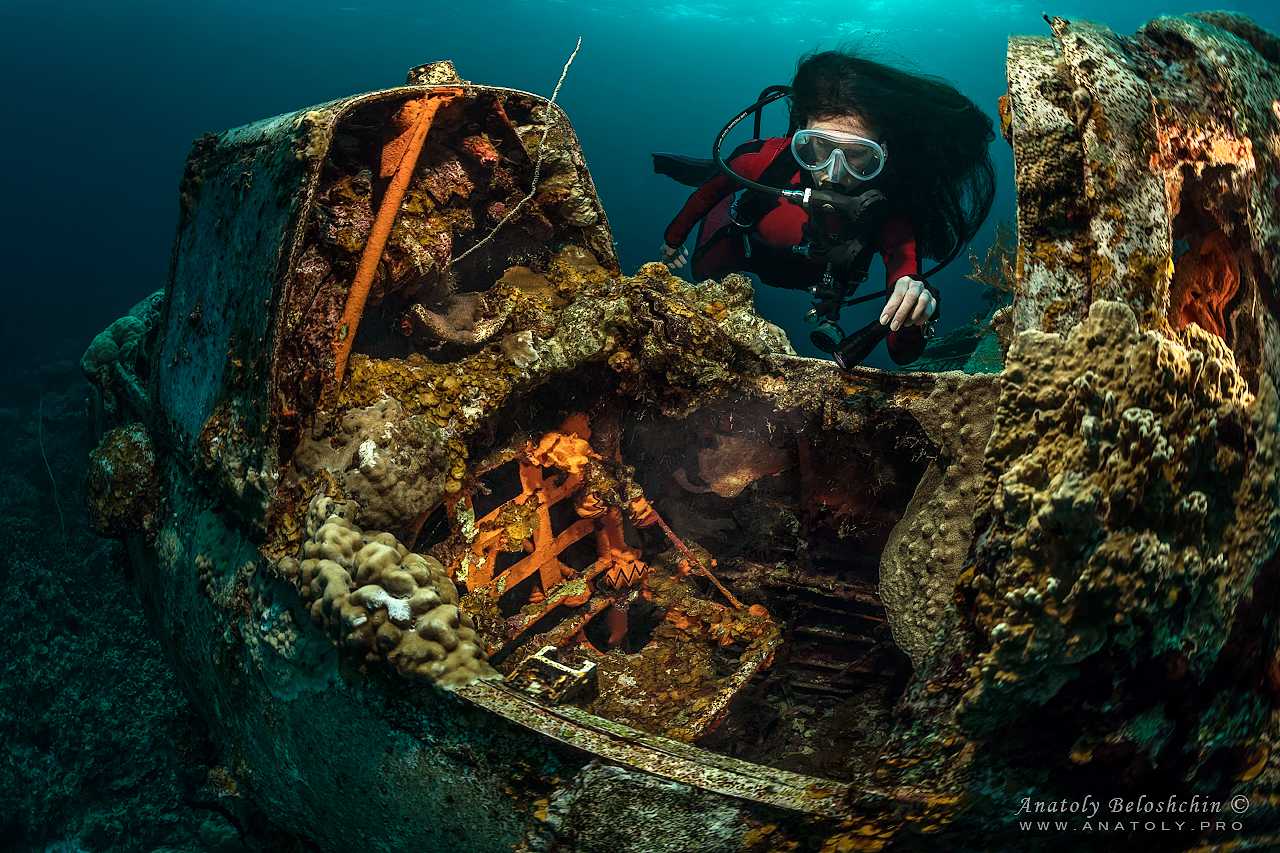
x: 830, y: 213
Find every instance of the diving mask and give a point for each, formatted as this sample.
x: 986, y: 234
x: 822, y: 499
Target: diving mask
x: 833, y: 155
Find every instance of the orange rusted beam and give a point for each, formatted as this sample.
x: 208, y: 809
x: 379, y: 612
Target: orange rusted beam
x: 399, y: 157
x: 544, y: 546
x: 617, y: 565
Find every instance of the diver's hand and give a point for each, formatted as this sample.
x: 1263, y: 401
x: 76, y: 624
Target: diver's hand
x: 911, y: 304
x: 674, y: 257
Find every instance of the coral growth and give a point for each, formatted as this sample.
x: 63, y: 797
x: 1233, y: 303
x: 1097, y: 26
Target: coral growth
x: 929, y: 546
x: 111, y: 360
x: 379, y: 598
x: 1111, y: 621
x: 1130, y: 474
x: 386, y: 461
x: 122, y: 487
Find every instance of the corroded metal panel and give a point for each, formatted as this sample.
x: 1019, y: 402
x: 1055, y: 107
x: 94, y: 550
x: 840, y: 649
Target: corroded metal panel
x: 1048, y: 165
x: 1130, y: 232
x: 231, y: 302
x: 664, y: 757
x: 241, y: 197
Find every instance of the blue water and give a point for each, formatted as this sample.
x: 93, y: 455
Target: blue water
x: 103, y: 101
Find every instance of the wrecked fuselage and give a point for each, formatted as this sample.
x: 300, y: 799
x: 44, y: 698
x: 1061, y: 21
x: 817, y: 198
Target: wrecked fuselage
x: 558, y: 556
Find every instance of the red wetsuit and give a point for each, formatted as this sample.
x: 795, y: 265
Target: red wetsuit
x: 781, y: 228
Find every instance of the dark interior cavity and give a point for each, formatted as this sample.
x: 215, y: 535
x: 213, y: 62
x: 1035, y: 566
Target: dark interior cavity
x: 795, y: 518
x: 805, y: 543
x: 1216, y: 274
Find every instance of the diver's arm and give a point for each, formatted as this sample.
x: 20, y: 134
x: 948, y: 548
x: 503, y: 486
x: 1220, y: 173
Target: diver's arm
x: 912, y: 304
x: 699, y: 205
x: 898, y: 248
x: 707, y: 196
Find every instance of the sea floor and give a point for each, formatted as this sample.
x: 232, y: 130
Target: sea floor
x: 100, y: 748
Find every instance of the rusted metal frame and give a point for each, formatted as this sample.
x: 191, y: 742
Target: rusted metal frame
x: 384, y: 219
x: 716, y: 711
x: 562, y: 634
x: 533, y: 485
x: 694, y: 562
x: 558, y: 596
x: 530, y: 564
x: 320, y: 137
x: 831, y: 635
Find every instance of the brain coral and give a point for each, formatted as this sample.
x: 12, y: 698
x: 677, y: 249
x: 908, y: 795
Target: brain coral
x: 380, y: 598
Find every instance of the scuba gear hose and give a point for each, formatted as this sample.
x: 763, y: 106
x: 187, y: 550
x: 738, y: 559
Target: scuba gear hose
x: 830, y: 152
x: 808, y: 197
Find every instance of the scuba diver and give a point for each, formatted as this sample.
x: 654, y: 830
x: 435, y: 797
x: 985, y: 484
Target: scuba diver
x: 875, y: 160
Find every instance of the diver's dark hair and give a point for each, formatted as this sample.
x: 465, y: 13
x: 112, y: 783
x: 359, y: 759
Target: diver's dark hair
x: 938, y: 169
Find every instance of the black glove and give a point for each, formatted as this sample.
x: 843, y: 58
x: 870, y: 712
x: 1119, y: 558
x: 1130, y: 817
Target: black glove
x: 850, y: 261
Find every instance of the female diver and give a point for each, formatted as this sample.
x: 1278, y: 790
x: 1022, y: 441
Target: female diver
x: 875, y: 159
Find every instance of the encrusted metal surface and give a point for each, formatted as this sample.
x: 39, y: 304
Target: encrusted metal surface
x: 663, y: 757
x: 1099, y: 609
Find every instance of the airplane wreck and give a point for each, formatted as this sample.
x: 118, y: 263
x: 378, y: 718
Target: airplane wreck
x: 462, y: 538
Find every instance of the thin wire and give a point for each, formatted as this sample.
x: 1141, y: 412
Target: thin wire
x: 52, y: 481
x: 537, y: 166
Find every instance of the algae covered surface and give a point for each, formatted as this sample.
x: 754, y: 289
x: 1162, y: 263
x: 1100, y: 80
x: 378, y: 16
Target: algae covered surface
x: 567, y: 558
